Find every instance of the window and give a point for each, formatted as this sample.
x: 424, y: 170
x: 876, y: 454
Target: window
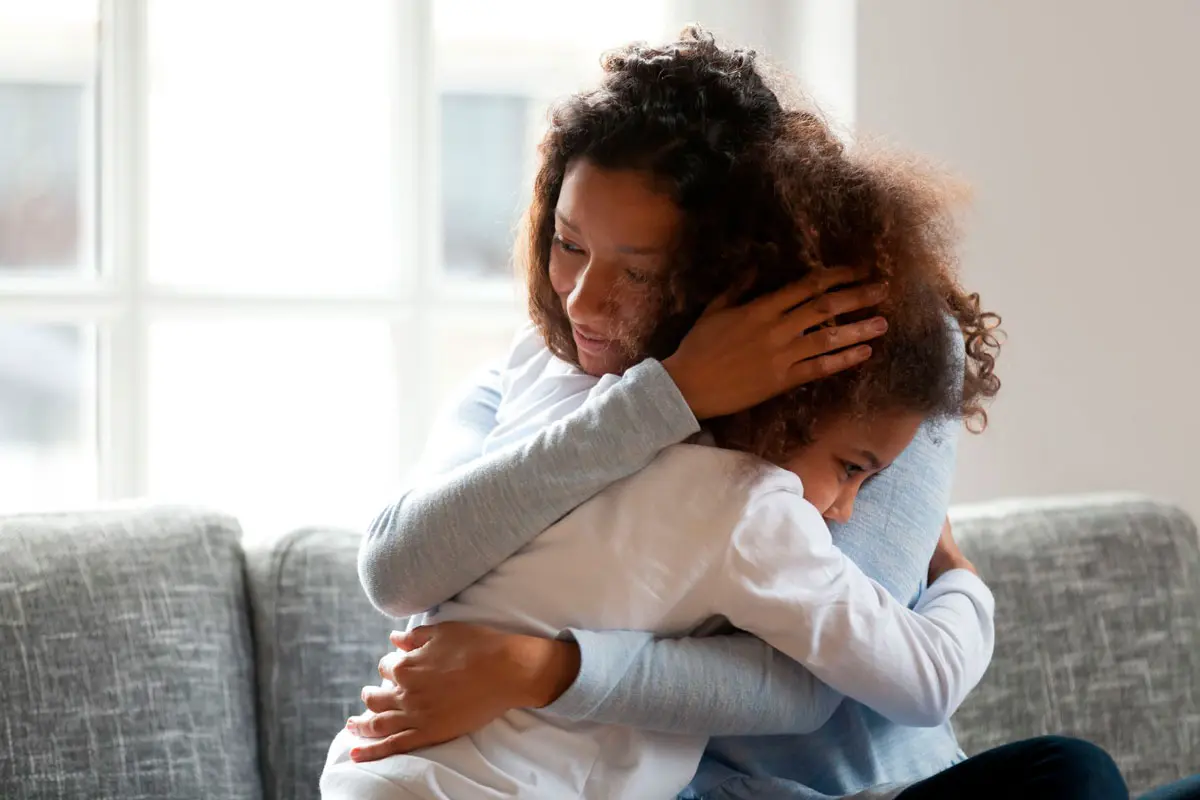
x: 48, y: 76
x: 248, y: 246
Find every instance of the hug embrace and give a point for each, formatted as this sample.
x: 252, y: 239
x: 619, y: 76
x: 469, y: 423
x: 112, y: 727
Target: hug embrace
x: 690, y: 540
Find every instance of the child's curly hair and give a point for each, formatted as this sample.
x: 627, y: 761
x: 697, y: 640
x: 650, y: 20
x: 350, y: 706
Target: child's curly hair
x: 768, y: 194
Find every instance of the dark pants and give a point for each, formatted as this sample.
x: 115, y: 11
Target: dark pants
x: 1045, y: 768
x: 1186, y: 789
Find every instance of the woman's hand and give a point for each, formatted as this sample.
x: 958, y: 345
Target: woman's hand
x: 453, y: 678
x: 947, y: 556
x: 737, y: 357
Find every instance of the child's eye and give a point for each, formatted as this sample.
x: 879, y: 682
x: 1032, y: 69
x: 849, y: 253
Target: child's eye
x: 637, y: 277
x: 851, y: 469
x: 566, y: 246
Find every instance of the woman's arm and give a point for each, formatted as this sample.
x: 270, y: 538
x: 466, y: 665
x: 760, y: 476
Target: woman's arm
x: 449, y: 529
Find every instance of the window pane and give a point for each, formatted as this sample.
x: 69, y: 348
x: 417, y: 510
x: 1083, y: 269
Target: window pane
x: 48, y: 70
x: 284, y: 423
x: 483, y: 178
x: 270, y: 145
x: 47, y: 415
x: 498, y: 67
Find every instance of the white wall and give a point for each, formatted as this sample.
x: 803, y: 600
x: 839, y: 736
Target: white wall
x: 1078, y: 122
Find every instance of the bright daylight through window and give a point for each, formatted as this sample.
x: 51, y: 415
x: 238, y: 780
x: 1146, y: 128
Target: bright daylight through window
x: 249, y: 280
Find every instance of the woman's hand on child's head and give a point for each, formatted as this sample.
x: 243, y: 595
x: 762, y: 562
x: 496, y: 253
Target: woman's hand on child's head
x: 947, y: 556
x: 737, y: 357
x: 451, y: 679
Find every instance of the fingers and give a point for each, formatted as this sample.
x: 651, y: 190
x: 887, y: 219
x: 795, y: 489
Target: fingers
x: 378, y: 726
x: 811, y: 369
x: 830, y: 305
x: 380, y: 699
x: 836, y: 337
x: 411, y: 640
x: 820, y: 281
x: 395, y: 744
x: 388, y: 665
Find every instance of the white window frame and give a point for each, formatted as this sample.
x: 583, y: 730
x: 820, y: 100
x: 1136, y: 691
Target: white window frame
x: 122, y: 302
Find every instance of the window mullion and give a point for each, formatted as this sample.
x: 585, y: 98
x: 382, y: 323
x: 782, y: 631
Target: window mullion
x: 123, y: 417
x: 414, y: 157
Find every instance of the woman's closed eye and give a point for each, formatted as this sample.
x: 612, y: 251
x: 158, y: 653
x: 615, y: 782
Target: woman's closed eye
x: 566, y: 246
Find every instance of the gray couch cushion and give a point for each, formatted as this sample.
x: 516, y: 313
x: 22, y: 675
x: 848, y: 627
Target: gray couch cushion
x: 125, y: 657
x: 1097, y: 630
x: 319, y: 642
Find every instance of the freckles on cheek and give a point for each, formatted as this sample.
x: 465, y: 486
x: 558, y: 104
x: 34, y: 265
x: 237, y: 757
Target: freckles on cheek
x: 636, y: 305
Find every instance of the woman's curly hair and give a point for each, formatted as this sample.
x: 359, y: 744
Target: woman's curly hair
x: 767, y: 195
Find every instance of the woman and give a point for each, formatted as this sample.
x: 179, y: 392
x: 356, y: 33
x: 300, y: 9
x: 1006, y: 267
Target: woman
x: 743, y: 538
x: 455, y: 526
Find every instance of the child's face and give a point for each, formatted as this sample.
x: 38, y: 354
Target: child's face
x: 845, y: 452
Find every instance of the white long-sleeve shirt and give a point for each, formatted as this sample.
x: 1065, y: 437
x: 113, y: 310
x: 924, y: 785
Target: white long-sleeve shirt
x: 701, y: 532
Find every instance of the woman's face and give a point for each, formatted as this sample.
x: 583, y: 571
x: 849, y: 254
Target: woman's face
x: 845, y: 452
x: 613, y: 235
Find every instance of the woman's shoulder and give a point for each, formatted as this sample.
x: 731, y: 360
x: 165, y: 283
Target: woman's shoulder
x: 527, y: 345
x: 529, y: 362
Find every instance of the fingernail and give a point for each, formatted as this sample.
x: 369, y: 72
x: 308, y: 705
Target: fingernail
x: 879, y: 325
x: 879, y: 291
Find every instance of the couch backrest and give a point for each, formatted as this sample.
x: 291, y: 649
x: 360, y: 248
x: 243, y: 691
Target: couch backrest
x: 319, y: 642
x: 125, y: 657
x: 1098, y: 634
x: 1097, y: 629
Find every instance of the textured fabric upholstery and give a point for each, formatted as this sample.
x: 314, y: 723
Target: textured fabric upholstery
x: 126, y: 668
x: 319, y: 642
x: 1097, y: 629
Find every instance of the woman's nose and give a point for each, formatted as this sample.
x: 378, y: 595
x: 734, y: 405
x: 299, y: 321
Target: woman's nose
x: 588, y: 300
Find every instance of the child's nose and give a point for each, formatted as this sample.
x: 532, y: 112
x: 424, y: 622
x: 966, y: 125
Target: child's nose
x: 840, y: 511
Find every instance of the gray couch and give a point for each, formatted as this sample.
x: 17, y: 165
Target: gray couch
x: 145, y: 654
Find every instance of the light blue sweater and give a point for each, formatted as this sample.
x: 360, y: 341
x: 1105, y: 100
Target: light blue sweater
x: 467, y: 513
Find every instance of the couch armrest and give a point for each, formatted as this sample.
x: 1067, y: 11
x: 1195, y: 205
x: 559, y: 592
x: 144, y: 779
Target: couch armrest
x: 126, y: 667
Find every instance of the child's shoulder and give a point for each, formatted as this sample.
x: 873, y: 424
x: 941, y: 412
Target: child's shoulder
x: 738, y: 478
x: 759, y: 502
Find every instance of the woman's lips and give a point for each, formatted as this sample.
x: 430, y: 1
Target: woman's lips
x: 590, y: 343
